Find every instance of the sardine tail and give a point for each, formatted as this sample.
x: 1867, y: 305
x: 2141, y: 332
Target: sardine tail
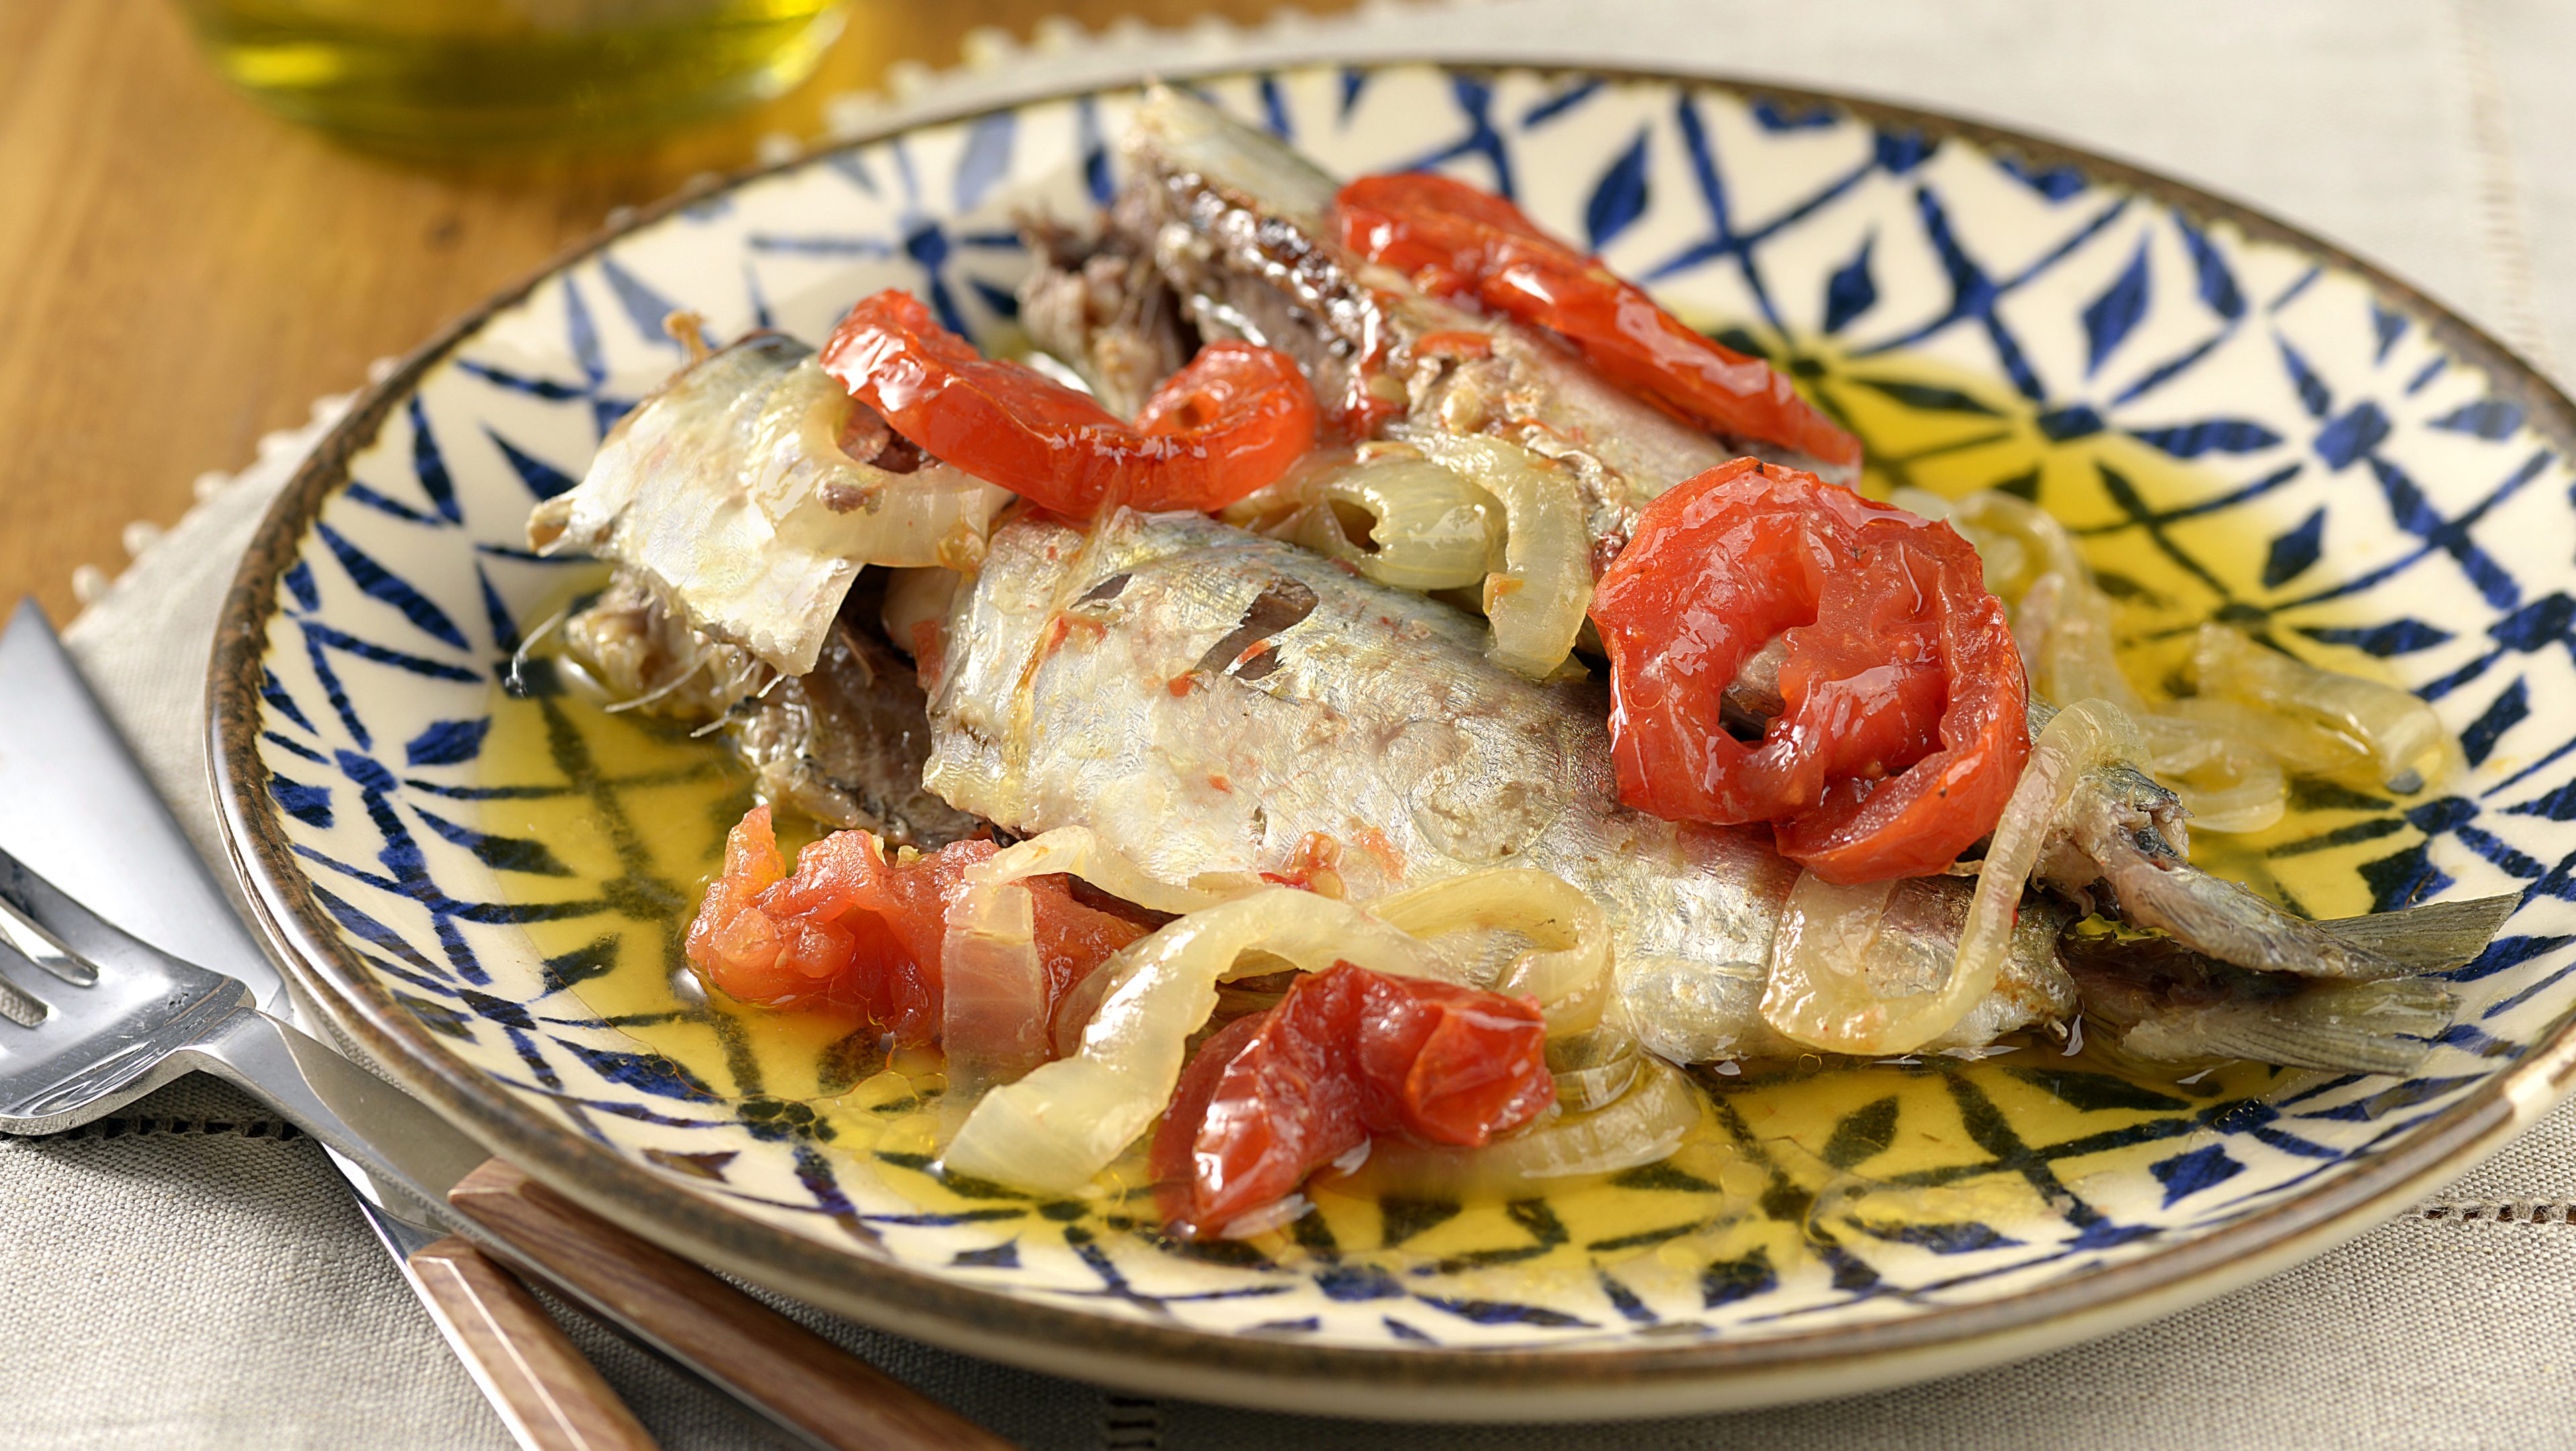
x: 2434, y: 937
x: 2370, y: 1027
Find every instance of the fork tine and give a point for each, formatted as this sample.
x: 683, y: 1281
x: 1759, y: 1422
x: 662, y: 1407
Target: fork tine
x: 100, y: 1043
x: 36, y: 948
x: 87, y: 940
x: 17, y: 1004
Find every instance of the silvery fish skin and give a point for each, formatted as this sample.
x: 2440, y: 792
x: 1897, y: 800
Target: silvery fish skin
x: 1236, y: 227
x: 1211, y: 701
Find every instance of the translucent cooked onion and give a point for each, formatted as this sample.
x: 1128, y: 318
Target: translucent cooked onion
x: 2018, y: 540
x: 1818, y: 991
x: 993, y: 987
x: 1821, y: 990
x: 2084, y: 735
x: 729, y: 492
x: 1418, y: 525
x: 1056, y: 1128
x: 2063, y: 624
x: 2399, y: 734
x: 1593, y: 1068
x: 2303, y: 748
x: 2061, y: 618
x: 1535, y: 601
x: 1643, y: 1126
x: 2227, y: 782
x: 2261, y: 716
x: 1569, y: 969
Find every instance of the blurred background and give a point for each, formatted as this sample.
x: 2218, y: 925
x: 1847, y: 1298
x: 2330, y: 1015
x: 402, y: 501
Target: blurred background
x: 186, y: 271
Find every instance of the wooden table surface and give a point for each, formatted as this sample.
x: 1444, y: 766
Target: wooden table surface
x: 181, y: 272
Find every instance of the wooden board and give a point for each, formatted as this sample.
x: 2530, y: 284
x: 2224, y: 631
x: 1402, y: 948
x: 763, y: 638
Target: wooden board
x: 181, y: 272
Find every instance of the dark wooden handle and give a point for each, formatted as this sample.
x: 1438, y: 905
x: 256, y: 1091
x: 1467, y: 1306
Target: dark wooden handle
x: 797, y: 1377
x: 548, y: 1394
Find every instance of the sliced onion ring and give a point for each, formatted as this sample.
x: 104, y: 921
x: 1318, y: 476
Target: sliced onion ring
x: 1059, y: 1126
x: 1818, y: 991
x: 2083, y: 736
x: 1643, y: 1126
x: 1593, y: 1068
x: 1428, y: 528
x: 993, y: 998
x: 1535, y: 602
x: 2227, y: 782
x: 1569, y: 971
x: 2401, y: 736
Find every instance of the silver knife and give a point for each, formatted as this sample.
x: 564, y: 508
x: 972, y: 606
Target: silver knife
x: 61, y: 760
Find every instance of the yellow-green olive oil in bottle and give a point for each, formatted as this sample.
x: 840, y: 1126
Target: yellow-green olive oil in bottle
x: 459, y: 77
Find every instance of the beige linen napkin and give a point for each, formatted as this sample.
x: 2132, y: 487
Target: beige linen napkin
x: 188, y: 1274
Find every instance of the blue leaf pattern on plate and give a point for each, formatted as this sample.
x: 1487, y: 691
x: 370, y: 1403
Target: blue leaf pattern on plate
x: 1620, y: 197
x: 2291, y: 553
x: 1850, y: 291
x: 2109, y: 317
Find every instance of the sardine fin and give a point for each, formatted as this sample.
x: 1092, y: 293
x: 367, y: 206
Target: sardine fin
x: 2434, y: 937
x: 2369, y: 1027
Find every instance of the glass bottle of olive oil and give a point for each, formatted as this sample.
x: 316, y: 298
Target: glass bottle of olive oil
x: 462, y: 76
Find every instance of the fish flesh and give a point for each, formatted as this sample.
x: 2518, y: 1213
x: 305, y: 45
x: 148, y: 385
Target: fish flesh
x: 1215, y: 704
x: 1098, y: 303
x: 740, y: 504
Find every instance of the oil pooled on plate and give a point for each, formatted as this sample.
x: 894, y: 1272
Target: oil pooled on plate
x: 1790, y: 1162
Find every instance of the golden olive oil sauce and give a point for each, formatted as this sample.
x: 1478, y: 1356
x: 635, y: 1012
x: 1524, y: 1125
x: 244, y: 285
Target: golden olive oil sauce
x: 1789, y: 1161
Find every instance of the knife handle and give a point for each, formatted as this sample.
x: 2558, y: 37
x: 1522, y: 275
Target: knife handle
x: 806, y: 1384
x: 550, y: 1396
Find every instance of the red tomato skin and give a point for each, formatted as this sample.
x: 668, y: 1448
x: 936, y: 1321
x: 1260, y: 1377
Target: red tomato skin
x: 1718, y: 566
x: 1919, y: 822
x: 853, y: 932
x: 1172, y: 1158
x: 1455, y: 239
x: 1346, y: 1054
x: 1230, y: 422
x: 1237, y: 417
x: 1905, y: 723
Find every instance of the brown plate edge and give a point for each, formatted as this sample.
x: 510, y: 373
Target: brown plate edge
x: 1467, y: 1385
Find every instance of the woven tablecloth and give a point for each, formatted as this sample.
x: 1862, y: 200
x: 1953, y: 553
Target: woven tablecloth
x: 190, y: 1274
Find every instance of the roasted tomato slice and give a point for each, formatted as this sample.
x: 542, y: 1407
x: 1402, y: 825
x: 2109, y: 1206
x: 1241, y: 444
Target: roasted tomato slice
x: 1904, y: 721
x: 1346, y: 1054
x: 1227, y: 424
x: 856, y: 930
x: 1456, y: 239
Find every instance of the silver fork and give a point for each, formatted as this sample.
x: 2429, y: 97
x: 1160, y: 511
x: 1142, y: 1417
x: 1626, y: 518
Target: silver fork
x: 98, y: 1018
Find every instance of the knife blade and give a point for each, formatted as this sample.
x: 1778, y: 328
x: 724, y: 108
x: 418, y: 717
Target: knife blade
x: 62, y: 761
